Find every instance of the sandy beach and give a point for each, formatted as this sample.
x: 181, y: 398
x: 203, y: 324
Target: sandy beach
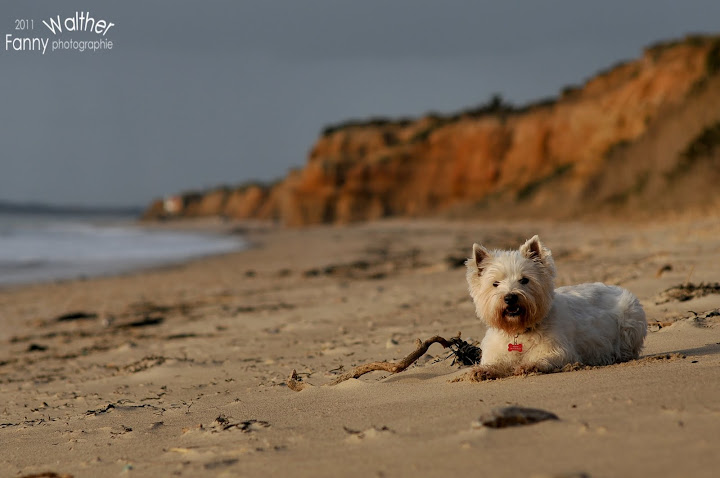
x: 182, y: 370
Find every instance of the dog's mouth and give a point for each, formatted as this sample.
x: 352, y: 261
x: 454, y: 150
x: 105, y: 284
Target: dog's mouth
x: 514, y: 310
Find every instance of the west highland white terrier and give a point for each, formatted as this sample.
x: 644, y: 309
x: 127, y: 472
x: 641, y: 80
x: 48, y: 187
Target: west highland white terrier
x: 533, y: 327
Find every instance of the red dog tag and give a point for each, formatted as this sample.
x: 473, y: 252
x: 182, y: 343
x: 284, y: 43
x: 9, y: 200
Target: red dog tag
x: 514, y: 347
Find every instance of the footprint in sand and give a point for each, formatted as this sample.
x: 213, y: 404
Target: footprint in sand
x: 372, y: 433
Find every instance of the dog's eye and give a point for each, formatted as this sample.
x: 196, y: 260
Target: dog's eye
x: 524, y: 280
x: 495, y: 284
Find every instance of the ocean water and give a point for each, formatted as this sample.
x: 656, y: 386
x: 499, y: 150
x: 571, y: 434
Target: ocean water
x: 44, y: 247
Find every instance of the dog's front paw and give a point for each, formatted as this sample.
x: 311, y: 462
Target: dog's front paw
x: 526, y: 370
x: 481, y: 374
x: 537, y: 368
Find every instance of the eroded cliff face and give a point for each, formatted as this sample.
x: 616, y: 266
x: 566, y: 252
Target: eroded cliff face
x: 552, y: 155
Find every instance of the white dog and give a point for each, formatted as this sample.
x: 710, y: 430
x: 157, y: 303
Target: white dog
x: 535, y: 327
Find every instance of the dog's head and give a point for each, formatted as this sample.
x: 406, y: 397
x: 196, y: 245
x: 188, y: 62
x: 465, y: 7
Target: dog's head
x: 512, y: 290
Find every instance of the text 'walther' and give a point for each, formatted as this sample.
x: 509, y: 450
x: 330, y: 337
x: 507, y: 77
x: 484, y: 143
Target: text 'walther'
x: 81, y: 22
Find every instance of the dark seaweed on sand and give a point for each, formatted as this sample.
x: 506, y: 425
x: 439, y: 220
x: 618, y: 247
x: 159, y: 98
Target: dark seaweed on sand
x: 464, y: 352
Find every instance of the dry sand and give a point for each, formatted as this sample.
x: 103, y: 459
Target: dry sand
x: 181, y: 371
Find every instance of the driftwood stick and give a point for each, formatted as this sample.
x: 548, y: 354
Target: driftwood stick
x: 395, y: 367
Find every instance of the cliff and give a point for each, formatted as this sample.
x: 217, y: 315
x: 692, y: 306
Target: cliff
x: 623, y: 139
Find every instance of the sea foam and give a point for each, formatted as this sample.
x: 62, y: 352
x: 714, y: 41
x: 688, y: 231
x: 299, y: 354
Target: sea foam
x: 39, y: 248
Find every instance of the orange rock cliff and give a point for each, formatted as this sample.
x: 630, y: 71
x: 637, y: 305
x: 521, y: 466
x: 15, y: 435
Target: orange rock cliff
x: 627, y: 138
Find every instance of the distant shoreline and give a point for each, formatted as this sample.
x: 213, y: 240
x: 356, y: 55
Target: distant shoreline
x: 32, y: 208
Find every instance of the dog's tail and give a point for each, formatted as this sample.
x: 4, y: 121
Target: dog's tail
x: 633, y: 326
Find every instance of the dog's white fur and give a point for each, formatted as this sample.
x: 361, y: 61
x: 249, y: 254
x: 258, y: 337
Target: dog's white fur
x: 592, y: 324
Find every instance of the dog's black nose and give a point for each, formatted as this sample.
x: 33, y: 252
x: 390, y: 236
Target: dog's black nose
x: 511, y: 299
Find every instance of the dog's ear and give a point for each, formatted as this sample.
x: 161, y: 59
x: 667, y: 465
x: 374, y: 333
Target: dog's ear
x: 479, y: 255
x: 533, y: 249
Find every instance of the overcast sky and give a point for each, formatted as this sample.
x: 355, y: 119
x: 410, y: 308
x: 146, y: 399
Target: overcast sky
x: 197, y: 94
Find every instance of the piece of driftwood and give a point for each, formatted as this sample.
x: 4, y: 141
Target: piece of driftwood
x: 466, y: 353
x: 395, y: 367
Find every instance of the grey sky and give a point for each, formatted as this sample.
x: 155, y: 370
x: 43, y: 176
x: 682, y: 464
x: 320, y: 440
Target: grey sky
x: 196, y: 94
